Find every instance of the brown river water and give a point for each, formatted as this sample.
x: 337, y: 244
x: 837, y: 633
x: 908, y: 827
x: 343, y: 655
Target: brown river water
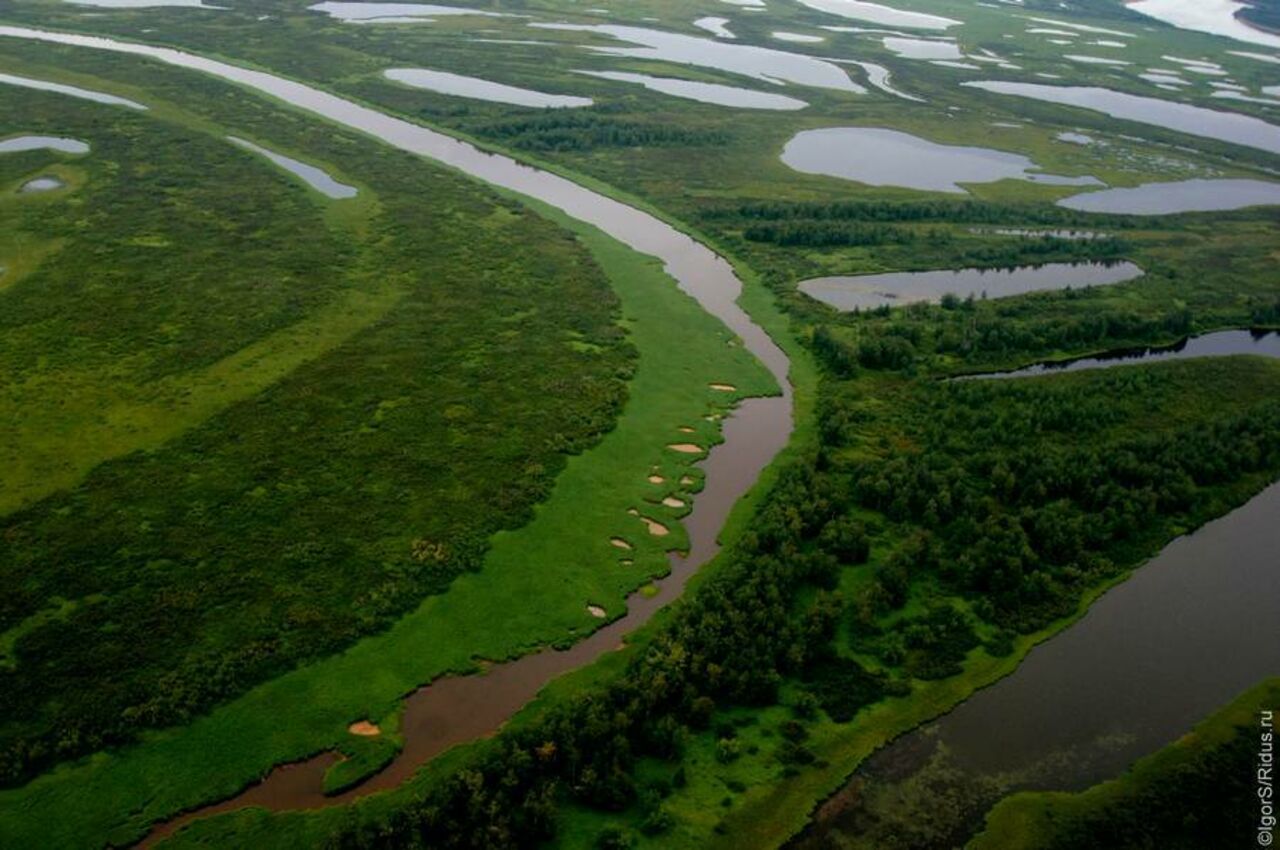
x: 457, y: 709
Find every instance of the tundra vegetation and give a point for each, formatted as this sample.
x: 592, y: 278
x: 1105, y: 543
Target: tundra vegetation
x: 321, y: 413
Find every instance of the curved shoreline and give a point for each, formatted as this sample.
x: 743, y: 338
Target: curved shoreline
x: 455, y: 709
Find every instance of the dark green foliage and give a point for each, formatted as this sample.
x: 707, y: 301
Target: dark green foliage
x: 1206, y: 801
x: 290, y: 524
x: 842, y: 687
x: 1027, y: 492
x: 581, y: 130
x: 968, y: 212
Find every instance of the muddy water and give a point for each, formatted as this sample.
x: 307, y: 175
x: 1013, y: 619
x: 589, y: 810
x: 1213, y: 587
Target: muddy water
x: 457, y: 709
x: 1185, y: 634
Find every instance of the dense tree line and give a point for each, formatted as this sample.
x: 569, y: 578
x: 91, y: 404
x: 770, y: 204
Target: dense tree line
x: 581, y: 130
x: 1017, y: 497
x: 910, y: 337
x: 960, y: 212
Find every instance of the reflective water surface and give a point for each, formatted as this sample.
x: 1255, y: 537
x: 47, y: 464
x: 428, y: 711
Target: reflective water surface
x: 62, y: 144
x: 897, y: 289
x: 474, y: 87
x: 1216, y: 344
x: 1184, y: 118
x: 882, y: 157
x: 316, y: 178
x: 1177, y: 197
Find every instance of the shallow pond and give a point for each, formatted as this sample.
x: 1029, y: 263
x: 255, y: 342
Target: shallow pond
x: 393, y: 12
x: 316, y: 178
x: 62, y: 144
x: 878, y: 13
x: 881, y: 157
x: 41, y: 184
x: 896, y: 289
x: 759, y: 63
x: 1184, y: 635
x: 1230, y: 127
x: 714, y: 93
x: 921, y: 48
x: 1216, y: 344
x: 458, y: 85
x: 73, y: 91
x: 145, y: 4
x: 716, y: 26
x: 1177, y: 197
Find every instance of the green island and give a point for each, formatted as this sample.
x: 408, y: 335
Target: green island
x: 277, y: 455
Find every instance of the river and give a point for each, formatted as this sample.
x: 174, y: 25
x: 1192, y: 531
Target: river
x: 1186, y: 634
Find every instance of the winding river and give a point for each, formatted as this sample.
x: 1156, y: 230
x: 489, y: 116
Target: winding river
x: 456, y: 709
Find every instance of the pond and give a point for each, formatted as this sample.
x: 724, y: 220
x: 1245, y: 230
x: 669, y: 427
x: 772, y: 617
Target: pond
x: 878, y: 13
x: 881, y: 157
x: 1230, y: 127
x: 713, y: 93
x: 921, y: 48
x: 316, y: 178
x: 759, y: 63
x: 62, y: 144
x: 394, y: 12
x: 72, y: 91
x: 716, y: 26
x: 458, y: 85
x: 41, y: 184
x: 897, y: 289
x: 1216, y: 344
x: 1181, y: 196
x: 145, y: 4
x: 1184, y: 635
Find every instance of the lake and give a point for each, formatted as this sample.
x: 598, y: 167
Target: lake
x: 897, y: 289
x: 881, y: 157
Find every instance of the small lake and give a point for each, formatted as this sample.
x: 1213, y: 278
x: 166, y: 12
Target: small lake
x: 921, y: 48
x: 145, y: 4
x: 458, y: 85
x: 897, y: 289
x: 1177, y: 197
x: 878, y: 13
x: 714, y: 93
x: 1189, y: 631
x: 716, y: 26
x: 1230, y: 127
x: 394, y: 12
x: 882, y: 157
x: 316, y: 178
x: 765, y: 64
x: 73, y: 91
x: 41, y: 184
x: 1216, y: 344
x: 62, y: 144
